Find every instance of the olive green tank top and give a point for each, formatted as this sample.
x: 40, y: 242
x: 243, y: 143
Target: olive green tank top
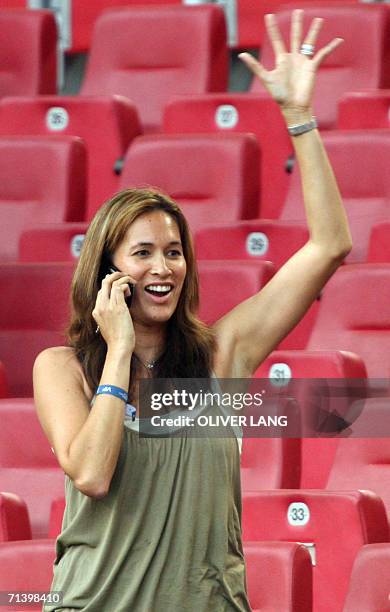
x: 166, y: 537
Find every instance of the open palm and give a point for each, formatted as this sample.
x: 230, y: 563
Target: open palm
x: 291, y: 82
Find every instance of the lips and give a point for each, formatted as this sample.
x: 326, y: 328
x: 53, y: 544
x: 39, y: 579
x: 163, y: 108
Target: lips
x: 159, y: 289
x: 159, y: 293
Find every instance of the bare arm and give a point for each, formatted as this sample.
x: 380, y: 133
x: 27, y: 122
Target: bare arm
x: 87, y: 439
x: 255, y: 327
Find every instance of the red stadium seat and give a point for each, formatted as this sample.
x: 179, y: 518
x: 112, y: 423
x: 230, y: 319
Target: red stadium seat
x: 333, y: 525
x: 32, y: 317
x: 279, y: 577
x: 258, y: 240
x: 51, y: 242
x: 28, y: 53
x: 286, y: 367
x: 106, y: 124
x: 42, y: 179
x: 57, y: 510
x: 364, y: 110
x: 362, y: 461
x: 213, y: 177
x: 26, y: 566
x: 187, y: 55
x: 28, y: 467
x: 379, y: 245
x: 3, y: 381
x: 14, y: 518
x: 369, y: 586
x: 345, y: 69
x: 273, y: 463
x: 84, y: 15
x: 250, y: 26
x: 354, y: 316
x: 354, y: 154
x: 231, y: 112
x: 217, y: 279
x: 255, y: 240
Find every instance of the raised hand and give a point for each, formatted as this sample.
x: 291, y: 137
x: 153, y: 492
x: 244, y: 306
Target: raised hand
x: 291, y: 82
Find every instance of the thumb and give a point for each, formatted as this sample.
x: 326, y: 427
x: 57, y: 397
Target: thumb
x: 254, y: 66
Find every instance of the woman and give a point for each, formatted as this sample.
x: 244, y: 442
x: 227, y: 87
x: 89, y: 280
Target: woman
x: 154, y: 524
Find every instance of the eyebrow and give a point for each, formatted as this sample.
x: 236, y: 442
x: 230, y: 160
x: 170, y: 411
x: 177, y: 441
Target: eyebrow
x: 142, y: 244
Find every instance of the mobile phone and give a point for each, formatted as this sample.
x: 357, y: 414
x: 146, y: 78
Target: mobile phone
x: 107, y: 267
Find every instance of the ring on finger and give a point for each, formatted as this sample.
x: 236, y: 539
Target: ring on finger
x: 307, y: 49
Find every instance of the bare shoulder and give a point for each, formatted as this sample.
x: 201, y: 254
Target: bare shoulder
x: 62, y: 398
x: 59, y: 363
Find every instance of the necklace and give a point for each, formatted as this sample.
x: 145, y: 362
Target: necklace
x: 149, y: 365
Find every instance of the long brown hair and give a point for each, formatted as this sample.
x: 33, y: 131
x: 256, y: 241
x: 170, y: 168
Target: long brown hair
x: 190, y: 343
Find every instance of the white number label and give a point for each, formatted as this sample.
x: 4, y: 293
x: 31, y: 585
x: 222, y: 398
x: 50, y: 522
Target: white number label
x: 257, y: 243
x: 226, y: 116
x: 76, y: 244
x: 57, y: 119
x: 298, y: 514
x: 280, y: 374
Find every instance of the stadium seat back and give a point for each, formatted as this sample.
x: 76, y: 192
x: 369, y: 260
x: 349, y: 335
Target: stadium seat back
x: 28, y: 466
x: 107, y: 126
x: 52, y: 242
x: 185, y: 53
x: 273, y: 463
x: 233, y: 112
x: 14, y: 518
x: 85, y: 14
x: 362, y: 460
x: 33, y: 317
x: 42, y: 180
x: 346, y: 68
x: 379, y: 244
x: 217, y: 279
x: 364, y: 110
x: 369, y: 585
x: 354, y: 316
x: 301, y: 372
x: 334, y: 526
x: 212, y: 177
x: 358, y: 153
x: 27, y: 566
x: 279, y: 576
x: 28, y: 52
x: 255, y: 240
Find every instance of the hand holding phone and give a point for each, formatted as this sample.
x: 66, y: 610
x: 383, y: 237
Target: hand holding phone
x: 107, y: 267
x: 131, y: 287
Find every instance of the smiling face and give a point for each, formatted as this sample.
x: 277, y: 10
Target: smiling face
x: 152, y: 254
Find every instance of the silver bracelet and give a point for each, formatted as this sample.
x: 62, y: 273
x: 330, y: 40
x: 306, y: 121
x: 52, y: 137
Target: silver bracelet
x: 302, y: 128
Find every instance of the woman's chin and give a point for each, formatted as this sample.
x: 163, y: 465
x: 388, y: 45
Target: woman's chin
x: 152, y: 316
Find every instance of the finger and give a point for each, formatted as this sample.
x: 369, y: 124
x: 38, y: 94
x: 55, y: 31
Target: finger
x: 296, y: 30
x: 104, y: 291
x: 274, y: 34
x: 118, y: 294
x: 256, y: 67
x: 123, y: 280
x: 313, y: 32
x: 327, y: 50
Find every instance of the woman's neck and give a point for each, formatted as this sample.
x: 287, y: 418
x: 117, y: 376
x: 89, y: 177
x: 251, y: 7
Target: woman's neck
x: 150, y: 341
